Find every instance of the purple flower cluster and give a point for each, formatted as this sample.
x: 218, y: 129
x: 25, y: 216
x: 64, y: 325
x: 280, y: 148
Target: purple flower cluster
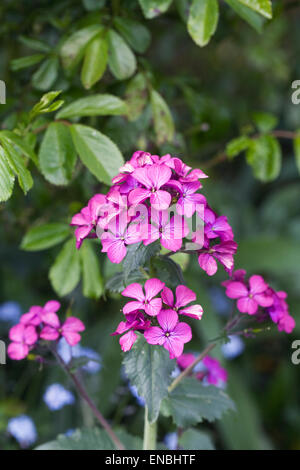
x: 209, y: 370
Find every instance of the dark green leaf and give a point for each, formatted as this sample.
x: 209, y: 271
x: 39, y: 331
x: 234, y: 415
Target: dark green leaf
x: 121, y: 59
x: 117, y: 282
x: 35, y: 44
x: 65, y: 272
x: 254, y: 19
x: 24, y: 62
x: 6, y: 177
x: 57, y: 154
x: 297, y: 150
x: 91, y: 277
x: 46, y: 74
x: 44, y: 236
x: 94, y: 105
x: 163, y: 121
x: 168, y: 271
x: 93, y: 5
x: 97, y: 152
x: 138, y: 256
x: 17, y: 165
x: 136, y: 96
x: 73, y: 49
x: 153, y: 8
x: 192, y: 439
x: 135, y: 33
x: 149, y: 368
x: 22, y: 146
x: 203, y: 20
x: 95, y: 61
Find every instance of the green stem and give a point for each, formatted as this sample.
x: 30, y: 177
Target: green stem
x: 150, y: 431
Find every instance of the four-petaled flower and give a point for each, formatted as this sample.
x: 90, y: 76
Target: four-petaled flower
x: 153, y: 178
x: 184, y: 296
x: 70, y: 329
x: 249, y: 299
x: 144, y: 301
x: 23, y: 337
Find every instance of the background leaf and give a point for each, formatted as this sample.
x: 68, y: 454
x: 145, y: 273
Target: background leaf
x: 135, y: 33
x: 121, y: 59
x: 91, y: 277
x: 203, y: 20
x: 64, y: 274
x: 94, y: 105
x: 45, y: 236
x: 153, y: 8
x: 95, y: 61
x: 163, y: 121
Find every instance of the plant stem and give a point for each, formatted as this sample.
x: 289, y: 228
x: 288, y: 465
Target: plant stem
x: 189, y: 369
x: 150, y: 432
x: 83, y: 393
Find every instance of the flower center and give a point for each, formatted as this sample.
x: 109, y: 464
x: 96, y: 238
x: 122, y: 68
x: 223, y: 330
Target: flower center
x: 167, y: 334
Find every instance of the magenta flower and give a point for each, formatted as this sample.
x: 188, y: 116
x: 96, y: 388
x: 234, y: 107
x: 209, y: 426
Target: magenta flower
x: 217, y: 226
x: 171, y: 334
x: 86, y: 219
x: 147, y: 301
x: 249, y: 299
x: 170, y: 232
x: 37, y: 314
x: 120, y: 235
x: 152, y: 177
x: 23, y: 338
x: 216, y: 375
x: 134, y: 321
x: 69, y: 330
x: 279, y: 311
x: 222, y: 252
x: 184, y: 172
x: 184, y: 296
x: 189, y: 200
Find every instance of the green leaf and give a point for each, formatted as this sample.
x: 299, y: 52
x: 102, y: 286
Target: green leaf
x: 46, y: 104
x: 92, y: 5
x: 149, y: 368
x: 236, y: 146
x: 20, y: 144
x: 7, y: 177
x: 192, y: 439
x: 91, y: 439
x: 17, y: 165
x: 203, y: 20
x: 73, y: 49
x: 265, y: 122
x: 153, y: 8
x: 254, y: 19
x: 297, y: 150
x: 45, y: 236
x: 264, y: 156
x: 35, y: 44
x: 138, y: 256
x: 94, y: 105
x: 135, y: 33
x: 136, y: 96
x: 95, y: 61
x: 168, y: 271
x: 264, y: 7
x: 121, y: 59
x: 117, y: 282
x: 191, y: 403
x: 46, y: 74
x: 65, y: 272
x: 97, y: 152
x: 57, y: 155
x: 24, y: 62
x: 163, y: 121
x: 92, y: 280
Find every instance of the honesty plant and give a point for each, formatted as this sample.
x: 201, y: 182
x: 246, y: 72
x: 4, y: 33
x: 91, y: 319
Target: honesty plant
x: 154, y: 210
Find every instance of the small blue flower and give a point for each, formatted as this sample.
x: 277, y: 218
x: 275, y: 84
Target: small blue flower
x: 10, y: 312
x: 171, y: 440
x: 66, y: 352
x: 234, y: 348
x: 219, y: 300
x: 134, y: 392
x: 23, y: 429
x: 57, y: 396
x: 69, y: 432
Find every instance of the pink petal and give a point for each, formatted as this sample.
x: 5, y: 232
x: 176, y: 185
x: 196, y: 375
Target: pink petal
x: 126, y: 341
x: 30, y: 335
x: 49, y: 334
x: 132, y: 307
x: 134, y: 291
x: 153, y: 307
x: 257, y: 284
x: 167, y: 296
x: 16, y: 333
x: 51, y: 306
x: 184, y: 296
x: 71, y: 337
x: 194, y: 311
x: 208, y: 263
x: 79, y: 219
x: 183, y: 332
x: 247, y: 305
x: 185, y: 360
x: 167, y: 319
x: 153, y: 287
x: 116, y: 251
x: 154, y: 335
x: 235, y: 290
x: 73, y: 324
x: 159, y: 175
x: 174, y: 346
x: 17, y: 351
x: 160, y: 200
x: 51, y: 319
x: 141, y: 175
x: 138, y: 195
x: 263, y: 300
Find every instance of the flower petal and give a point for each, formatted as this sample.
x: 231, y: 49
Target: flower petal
x: 154, y: 335
x: 235, y: 290
x: 184, y: 296
x: 167, y: 319
x: 134, y: 291
x: 126, y: 341
x: 257, y: 284
x: 153, y: 287
x: 17, y: 351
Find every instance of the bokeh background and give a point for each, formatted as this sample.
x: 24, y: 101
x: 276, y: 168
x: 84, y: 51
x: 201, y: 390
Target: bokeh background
x: 212, y: 93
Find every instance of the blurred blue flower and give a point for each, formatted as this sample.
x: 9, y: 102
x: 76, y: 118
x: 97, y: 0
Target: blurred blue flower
x: 220, y: 302
x: 175, y: 372
x: 10, y: 312
x: 57, y: 396
x: 66, y: 352
x: 233, y: 348
x: 134, y: 392
x: 171, y: 440
x: 23, y: 429
x: 69, y: 432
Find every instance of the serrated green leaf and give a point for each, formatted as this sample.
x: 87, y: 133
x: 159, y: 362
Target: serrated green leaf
x: 191, y: 403
x: 57, y: 155
x: 17, y: 164
x: 163, y: 121
x: 64, y: 274
x: 135, y: 33
x: 265, y: 122
x: 28, y: 61
x: 153, y: 8
x: 121, y: 59
x: 7, y: 177
x: 192, y: 439
x: 136, y: 96
x: 138, y: 256
x: 45, y: 76
x: 97, y: 152
x: 264, y: 156
x: 94, y: 105
x: 297, y: 150
x: 91, y: 277
x: 45, y: 236
x: 236, y: 146
x: 73, y: 49
x: 168, y: 271
x: 253, y: 19
x: 202, y: 21
x: 95, y: 61
x: 149, y: 368
x: 264, y: 7
x: 23, y: 147
x: 117, y: 282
